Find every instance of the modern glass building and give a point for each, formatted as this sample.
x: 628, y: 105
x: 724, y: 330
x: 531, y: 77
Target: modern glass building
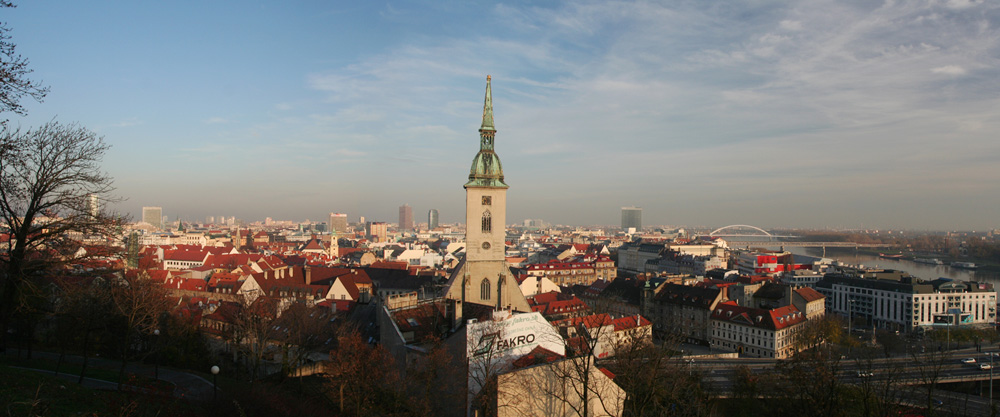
x: 631, y: 217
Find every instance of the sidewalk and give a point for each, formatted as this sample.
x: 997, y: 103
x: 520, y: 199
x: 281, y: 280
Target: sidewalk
x: 186, y: 385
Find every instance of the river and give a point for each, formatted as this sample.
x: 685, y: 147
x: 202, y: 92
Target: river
x: 923, y: 271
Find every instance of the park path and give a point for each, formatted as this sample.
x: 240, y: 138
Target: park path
x: 186, y: 384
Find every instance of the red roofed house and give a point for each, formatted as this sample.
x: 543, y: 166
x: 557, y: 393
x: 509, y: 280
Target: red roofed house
x: 809, y: 301
x: 355, y: 287
x: 183, y: 259
x: 633, y: 329
x: 756, y: 332
x: 598, y: 329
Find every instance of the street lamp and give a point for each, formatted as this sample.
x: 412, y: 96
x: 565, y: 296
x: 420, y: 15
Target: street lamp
x: 215, y: 380
x: 850, y: 325
x: 156, y: 332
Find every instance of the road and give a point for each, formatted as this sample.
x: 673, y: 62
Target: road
x: 915, y: 371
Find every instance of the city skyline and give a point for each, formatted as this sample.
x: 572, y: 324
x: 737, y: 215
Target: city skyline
x: 809, y: 114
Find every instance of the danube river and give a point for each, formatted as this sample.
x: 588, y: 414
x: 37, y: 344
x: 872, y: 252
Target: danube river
x: 923, y: 271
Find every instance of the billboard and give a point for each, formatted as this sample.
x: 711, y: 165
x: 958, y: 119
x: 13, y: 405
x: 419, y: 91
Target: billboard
x: 510, y: 336
x: 493, y: 345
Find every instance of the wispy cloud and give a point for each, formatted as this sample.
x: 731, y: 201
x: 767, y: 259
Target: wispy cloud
x: 949, y: 70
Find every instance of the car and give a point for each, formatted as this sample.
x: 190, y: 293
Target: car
x: 985, y: 366
x: 865, y: 374
x: 969, y: 360
x: 937, y: 402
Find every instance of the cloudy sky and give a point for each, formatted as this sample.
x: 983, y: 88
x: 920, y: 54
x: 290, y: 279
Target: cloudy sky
x: 770, y: 113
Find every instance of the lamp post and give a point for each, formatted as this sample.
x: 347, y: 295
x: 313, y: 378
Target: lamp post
x: 215, y: 380
x: 850, y: 325
x: 156, y: 360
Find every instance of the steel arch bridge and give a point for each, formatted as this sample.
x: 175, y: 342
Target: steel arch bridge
x: 715, y: 233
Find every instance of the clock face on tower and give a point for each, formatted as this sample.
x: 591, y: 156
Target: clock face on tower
x: 486, y: 245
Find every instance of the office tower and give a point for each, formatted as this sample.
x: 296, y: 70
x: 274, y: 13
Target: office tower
x: 209, y: 219
x: 632, y: 217
x: 338, y: 223
x: 432, y: 219
x: 378, y: 231
x: 485, y: 276
x: 405, y: 217
x: 93, y: 205
x: 153, y: 216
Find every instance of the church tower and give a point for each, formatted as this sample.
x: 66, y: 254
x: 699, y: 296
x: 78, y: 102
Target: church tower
x: 484, y: 277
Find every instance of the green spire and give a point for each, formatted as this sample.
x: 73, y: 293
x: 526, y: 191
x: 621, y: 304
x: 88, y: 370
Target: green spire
x: 486, y: 169
x: 488, y: 109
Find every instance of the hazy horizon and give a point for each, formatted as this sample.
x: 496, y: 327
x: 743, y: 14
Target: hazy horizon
x: 812, y: 114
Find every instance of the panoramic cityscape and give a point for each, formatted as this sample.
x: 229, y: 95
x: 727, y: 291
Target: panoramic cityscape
x: 702, y: 209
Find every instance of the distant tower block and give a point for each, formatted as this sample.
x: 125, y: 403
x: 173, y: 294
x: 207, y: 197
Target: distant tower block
x: 632, y: 218
x: 405, y: 217
x: 432, y: 219
x: 338, y: 223
x: 153, y: 216
x: 93, y: 205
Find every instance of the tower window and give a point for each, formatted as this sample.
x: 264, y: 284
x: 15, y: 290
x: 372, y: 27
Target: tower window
x: 487, y: 200
x: 484, y: 289
x: 487, y: 222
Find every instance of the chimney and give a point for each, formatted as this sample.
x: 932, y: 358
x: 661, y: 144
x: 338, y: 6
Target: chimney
x: 308, y: 275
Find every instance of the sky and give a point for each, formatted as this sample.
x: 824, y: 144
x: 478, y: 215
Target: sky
x: 807, y: 114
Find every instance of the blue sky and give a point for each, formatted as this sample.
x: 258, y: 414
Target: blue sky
x: 771, y: 113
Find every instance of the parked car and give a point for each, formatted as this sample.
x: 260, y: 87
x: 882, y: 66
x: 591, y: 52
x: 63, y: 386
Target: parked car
x: 985, y: 366
x: 969, y: 360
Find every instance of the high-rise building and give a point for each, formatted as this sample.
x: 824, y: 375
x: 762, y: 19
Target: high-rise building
x: 93, y: 205
x: 631, y: 218
x: 484, y: 277
x: 153, y: 216
x: 405, y: 217
x: 338, y: 223
x: 432, y: 219
x: 378, y: 231
x: 209, y: 219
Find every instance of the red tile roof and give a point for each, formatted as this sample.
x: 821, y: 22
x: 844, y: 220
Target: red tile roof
x: 774, y: 319
x: 592, y: 321
x: 631, y: 322
x: 809, y: 294
x: 538, y: 355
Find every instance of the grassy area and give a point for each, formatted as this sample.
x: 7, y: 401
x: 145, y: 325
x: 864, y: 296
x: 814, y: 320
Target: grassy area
x: 30, y: 393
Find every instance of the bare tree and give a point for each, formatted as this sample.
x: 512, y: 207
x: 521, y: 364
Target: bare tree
x: 582, y: 392
x: 49, y: 176
x: 879, y: 388
x: 299, y: 331
x: 363, y: 379
x: 139, y: 304
x: 253, y: 329
x: 656, y: 380
x: 14, y: 82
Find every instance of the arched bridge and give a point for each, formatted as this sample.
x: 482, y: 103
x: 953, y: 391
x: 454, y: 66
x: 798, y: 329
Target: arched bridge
x: 735, y: 240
